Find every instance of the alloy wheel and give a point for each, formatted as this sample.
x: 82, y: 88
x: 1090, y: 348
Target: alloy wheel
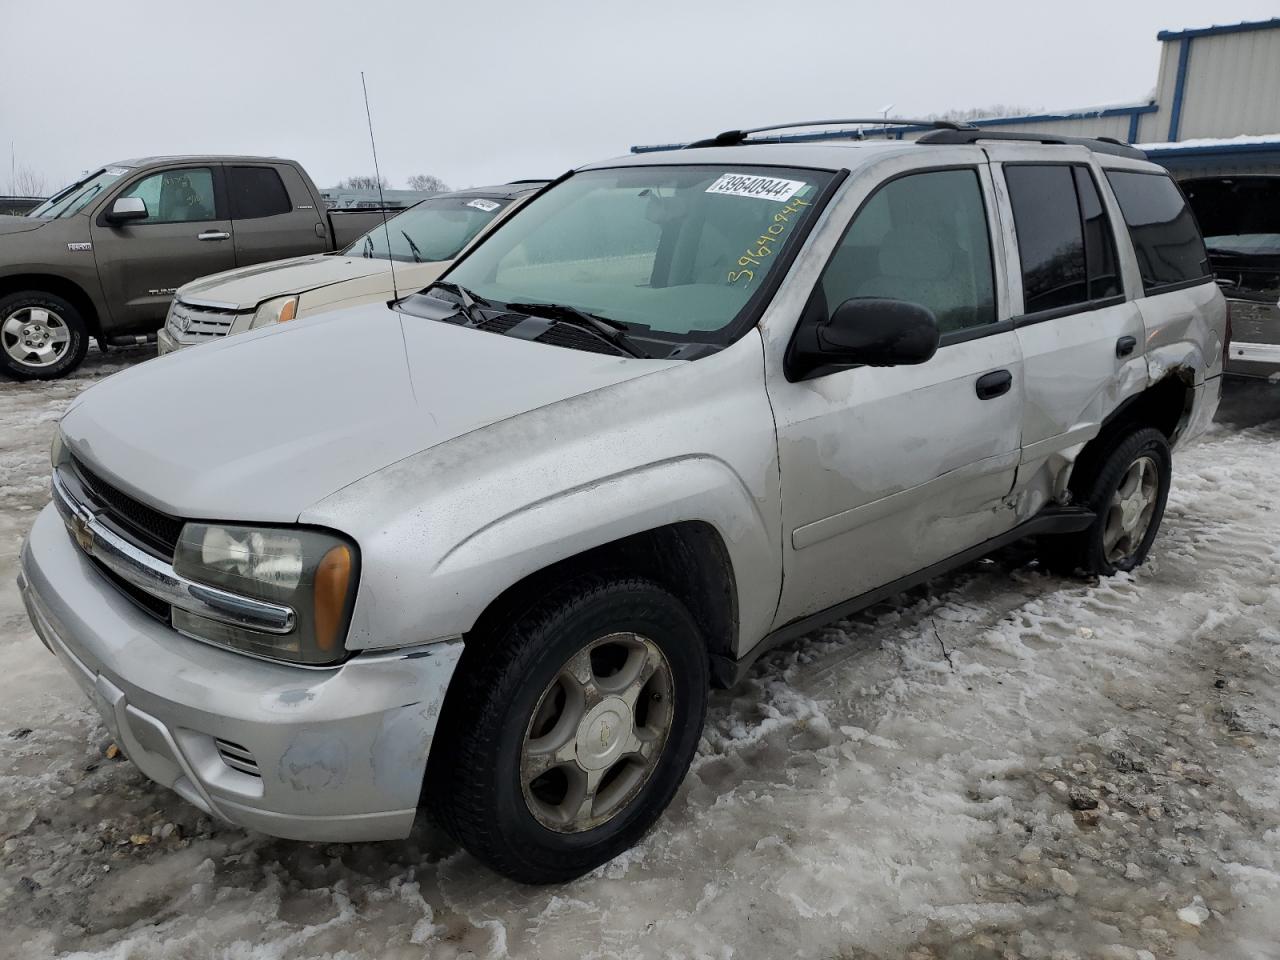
x: 35, y: 336
x: 1130, y: 511
x: 597, y: 733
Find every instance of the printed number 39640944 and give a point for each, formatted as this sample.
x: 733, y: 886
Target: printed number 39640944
x: 762, y: 247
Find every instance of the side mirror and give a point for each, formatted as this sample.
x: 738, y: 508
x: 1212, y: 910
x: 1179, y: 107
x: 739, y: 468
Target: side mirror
x: 126, y: 209
x: 878, y: 333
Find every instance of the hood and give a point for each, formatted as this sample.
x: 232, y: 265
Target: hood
x: 247, y: 287
x: 262, y: 425
x: 10, y: 224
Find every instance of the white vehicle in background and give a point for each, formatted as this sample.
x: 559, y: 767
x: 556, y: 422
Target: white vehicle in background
x: 422, y: 241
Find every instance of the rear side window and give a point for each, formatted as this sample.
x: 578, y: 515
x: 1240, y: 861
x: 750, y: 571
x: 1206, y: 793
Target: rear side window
x: 1164, y: 232
x: 256, y: 192
x: 921, y: 238
x: 1065, y: 242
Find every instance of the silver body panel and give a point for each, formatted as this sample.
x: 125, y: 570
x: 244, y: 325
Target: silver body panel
x: 460, y: 462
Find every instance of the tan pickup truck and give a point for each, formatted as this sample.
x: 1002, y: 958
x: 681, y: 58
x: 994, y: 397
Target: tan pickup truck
x: 408, y: 252
x: 103, y: 257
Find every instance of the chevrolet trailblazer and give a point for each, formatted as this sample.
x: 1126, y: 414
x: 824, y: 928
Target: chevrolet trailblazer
x: 678, y: 409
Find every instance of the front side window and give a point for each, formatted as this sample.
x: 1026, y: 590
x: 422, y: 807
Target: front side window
x: 256, y: 192
x: 673, y: 250
x: 923, y: 238
x: 435, y: 229
x: 176, y: 196
x: 1164, y: 232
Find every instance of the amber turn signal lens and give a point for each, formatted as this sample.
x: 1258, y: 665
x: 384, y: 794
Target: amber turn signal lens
x: 333, y: 576
x: 289, y: 311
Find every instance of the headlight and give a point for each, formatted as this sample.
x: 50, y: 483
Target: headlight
x: 312, y: 572
x: 57, y: 449
x: 274, y: 311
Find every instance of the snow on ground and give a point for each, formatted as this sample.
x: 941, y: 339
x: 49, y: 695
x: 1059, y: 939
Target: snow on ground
x: 1007, y: 764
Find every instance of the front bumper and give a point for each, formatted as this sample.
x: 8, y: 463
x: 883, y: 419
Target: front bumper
x: 333, y: 754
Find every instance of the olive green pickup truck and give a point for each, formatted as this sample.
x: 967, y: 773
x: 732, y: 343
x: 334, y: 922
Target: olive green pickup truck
x: 103, y: 257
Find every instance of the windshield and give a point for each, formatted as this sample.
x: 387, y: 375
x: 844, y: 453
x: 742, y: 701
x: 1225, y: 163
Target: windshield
x: 435, y: 229
x: 1237, y: 214
x: 71, y: 200
x: 678, y: 250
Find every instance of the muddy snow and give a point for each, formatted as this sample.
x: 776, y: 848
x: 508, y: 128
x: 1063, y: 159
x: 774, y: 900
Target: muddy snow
x: 1005, y: 764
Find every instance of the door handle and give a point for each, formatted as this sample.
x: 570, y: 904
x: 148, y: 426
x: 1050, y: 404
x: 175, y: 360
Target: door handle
x: 213, y: 235
x: 1125, y: 345
x: 991, y: 385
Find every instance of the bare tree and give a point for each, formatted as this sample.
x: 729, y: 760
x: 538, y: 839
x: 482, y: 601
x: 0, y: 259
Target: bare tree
x: 984, y: 113
x: 364, y: 182
x: 25, y: 182
x: 427, y: 181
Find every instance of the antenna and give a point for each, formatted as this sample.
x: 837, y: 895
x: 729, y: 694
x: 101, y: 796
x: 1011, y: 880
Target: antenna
x: 377, y: 174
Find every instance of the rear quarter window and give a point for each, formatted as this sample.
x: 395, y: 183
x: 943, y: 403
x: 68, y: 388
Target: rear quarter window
x: 1165, y: 237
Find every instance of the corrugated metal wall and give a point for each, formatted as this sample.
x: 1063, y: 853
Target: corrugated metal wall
x: 1233, y: 85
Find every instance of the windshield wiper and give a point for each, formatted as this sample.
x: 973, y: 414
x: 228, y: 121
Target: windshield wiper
x: 467, y: 301
x: 613, y: 331
x: 417, y: 254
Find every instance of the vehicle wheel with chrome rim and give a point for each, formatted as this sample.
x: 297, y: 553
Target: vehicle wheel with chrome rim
x: 567, y: 732
x: 42, y: 336
x: 1127, y: 493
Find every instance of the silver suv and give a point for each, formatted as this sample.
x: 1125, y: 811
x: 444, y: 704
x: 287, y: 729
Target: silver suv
x: 680, y: 408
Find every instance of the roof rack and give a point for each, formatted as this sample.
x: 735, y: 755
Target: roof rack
x: 731, y: 138
x: 974, y: 134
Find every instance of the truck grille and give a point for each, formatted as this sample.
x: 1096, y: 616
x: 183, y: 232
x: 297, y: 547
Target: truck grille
x: 194, y: 324
x: 152, y: 530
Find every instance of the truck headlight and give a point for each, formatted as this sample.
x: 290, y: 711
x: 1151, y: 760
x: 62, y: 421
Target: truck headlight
x: 313, y: 572
x: 278, y: 310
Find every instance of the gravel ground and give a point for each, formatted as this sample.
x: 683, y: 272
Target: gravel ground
x: 1005, y: 764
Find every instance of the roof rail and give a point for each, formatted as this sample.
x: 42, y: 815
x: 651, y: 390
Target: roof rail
x: 731, y: 138
x: 974, y: 134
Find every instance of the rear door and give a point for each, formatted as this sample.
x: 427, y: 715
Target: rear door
x: 274, y: 213
x: 886, y: 470
x: 1082, y: 337
x: 187, y: 234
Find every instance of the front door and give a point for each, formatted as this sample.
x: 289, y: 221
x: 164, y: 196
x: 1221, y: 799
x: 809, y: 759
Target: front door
x: 186, y: 235
x: 888, y: 470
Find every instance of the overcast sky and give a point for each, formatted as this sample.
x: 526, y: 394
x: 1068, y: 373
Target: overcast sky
x: 484, y: 91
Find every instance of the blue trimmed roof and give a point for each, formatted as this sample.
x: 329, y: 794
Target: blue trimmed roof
x: 1246, y: 27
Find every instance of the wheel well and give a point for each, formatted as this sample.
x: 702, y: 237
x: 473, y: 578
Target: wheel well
x: 1165, y: 405
x: 688, y: 558
x: 58, y: 286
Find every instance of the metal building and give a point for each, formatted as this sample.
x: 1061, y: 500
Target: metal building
x: 1216, y: 108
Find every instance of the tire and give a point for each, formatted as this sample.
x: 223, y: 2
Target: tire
x: 503, y: 704
x: 1092, y: 551
x: 42, y: 336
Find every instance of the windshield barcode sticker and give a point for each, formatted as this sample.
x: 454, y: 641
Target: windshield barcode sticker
x: 488, y: 206
x: 761, y: 188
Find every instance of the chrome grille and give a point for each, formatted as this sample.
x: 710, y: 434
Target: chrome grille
x: 237, y: 757
x: 190, y: 323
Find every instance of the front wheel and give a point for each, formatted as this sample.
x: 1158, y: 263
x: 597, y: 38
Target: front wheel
x: 1127, y: 492
x: 569, y: 732
x: 42, y: 336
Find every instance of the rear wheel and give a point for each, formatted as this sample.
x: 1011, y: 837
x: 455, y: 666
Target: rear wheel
x: 1127, y: 492
x: 569, y: 731
x: 42, y: 336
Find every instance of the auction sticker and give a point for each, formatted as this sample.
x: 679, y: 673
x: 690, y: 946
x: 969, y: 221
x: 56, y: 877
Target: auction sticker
x: 488, y: 206
x: 761, y: 188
